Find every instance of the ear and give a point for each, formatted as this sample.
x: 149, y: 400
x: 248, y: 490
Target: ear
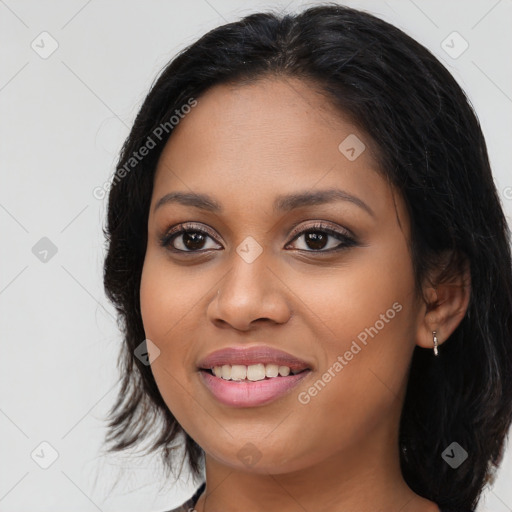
x: 446, y: 304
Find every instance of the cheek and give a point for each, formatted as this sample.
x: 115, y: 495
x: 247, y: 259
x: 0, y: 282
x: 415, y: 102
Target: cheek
x: 366, y: 298
x: 154, y: 298
x: 167, y: 320
x: 364, y: 326
x: 170, y: 300
x: 161, y: 314
x: 167, y: 296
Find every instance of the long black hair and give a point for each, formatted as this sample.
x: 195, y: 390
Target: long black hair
x: 431, y: 148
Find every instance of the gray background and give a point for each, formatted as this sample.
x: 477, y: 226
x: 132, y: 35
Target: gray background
x: 62, y: 121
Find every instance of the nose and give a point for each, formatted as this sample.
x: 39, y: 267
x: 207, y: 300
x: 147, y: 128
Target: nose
x: 249, y: 294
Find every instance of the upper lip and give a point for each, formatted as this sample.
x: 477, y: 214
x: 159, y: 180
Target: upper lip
x: 252, y: 355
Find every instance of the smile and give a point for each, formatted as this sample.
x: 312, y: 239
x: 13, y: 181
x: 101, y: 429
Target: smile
x: 253, y: 372
x: 250, y: 377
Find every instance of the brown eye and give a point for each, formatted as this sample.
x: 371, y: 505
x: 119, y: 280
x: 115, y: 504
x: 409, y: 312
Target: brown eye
x: 188, y: 240
x: 192, y: 240
x: 316, y: 240
x: 320, y: 238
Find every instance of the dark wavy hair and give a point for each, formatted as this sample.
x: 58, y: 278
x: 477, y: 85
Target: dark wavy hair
x: 431, y: 148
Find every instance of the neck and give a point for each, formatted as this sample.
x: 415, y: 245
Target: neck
x: 363, y: 478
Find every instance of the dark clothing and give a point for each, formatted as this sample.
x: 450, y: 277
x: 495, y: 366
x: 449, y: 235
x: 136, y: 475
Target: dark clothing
x: 189, y: 505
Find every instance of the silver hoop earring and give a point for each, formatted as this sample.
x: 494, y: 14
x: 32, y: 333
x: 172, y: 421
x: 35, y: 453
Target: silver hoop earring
x: 434, y: 335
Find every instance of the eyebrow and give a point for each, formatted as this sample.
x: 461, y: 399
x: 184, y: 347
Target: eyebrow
x: 283, y: 203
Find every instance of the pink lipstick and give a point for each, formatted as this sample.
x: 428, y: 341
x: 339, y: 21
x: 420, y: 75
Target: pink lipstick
x: 251, y: 376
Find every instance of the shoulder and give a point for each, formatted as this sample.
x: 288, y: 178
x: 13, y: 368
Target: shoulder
x: 189, y: 505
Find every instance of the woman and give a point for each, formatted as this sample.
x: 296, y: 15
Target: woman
x: 312, y: 267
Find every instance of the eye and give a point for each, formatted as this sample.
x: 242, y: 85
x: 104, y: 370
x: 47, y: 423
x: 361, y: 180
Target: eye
x: 193, y: 238
x: 316, y: 239
x: 187, y: 238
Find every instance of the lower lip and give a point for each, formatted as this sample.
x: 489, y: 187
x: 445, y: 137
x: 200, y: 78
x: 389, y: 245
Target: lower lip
x: 250, y: 394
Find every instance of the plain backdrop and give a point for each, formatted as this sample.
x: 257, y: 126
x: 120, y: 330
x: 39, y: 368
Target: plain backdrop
x: 63, y: 118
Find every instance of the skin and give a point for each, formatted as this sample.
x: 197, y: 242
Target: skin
x: 245, y: 145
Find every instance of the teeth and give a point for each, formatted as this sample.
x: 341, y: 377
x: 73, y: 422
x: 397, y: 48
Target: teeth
x: 284, y: 371
x: 253, y: 372
x: 256, y: 372
x: 238, y: 372
x: 272, y: 370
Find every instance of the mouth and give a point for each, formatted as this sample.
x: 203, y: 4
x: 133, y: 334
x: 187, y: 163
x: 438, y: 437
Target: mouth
x: 251, y: 377
x: 252, y: 373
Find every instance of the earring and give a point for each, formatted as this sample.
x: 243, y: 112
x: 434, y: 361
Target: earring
x: 434, y: 335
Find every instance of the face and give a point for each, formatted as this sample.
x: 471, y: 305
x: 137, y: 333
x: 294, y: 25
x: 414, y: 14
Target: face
x: 293, y: 279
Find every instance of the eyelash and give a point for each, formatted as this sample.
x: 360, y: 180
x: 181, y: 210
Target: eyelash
x: 346, y: 240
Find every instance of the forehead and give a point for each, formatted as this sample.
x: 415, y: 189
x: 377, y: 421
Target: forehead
x: 248, y: 141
